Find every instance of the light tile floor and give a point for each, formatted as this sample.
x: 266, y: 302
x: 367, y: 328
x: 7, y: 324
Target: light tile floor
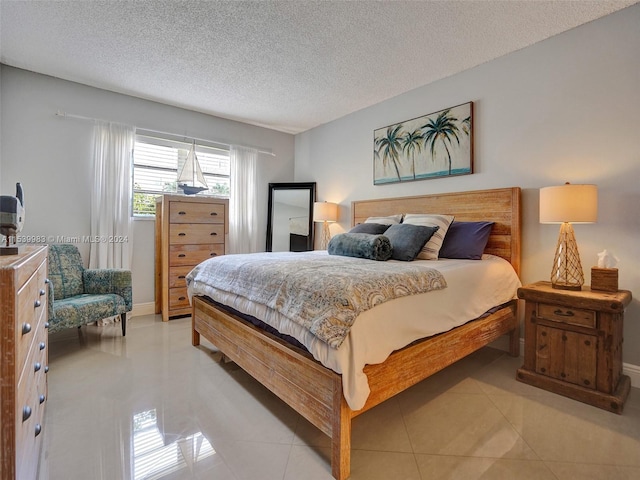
x: 151, y: 406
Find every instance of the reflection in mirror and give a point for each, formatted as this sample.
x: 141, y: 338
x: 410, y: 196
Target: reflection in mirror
x: 290, y: 220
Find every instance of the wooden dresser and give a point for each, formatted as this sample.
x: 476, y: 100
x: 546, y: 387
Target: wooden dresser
x: 23, y: 350
x: 189, y: 229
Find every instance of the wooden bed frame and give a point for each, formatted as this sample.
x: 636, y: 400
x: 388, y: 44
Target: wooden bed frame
x: 315, y: 391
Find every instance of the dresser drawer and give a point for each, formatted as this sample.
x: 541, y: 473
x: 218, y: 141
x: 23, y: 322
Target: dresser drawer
x: 570, y: 316
x: 196, y: 233
x: 178, y: 275
x: 193, y: 254
x: 193, y: 212
x: 178, y: 298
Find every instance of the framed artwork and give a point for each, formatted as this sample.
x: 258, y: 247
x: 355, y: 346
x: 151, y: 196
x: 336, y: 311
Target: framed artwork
x: 436, y: 145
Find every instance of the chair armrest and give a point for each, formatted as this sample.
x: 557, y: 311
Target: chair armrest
x: 109, y: 280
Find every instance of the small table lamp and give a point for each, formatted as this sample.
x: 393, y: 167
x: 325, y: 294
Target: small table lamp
x: 563, y: 204
x: 325, y: 212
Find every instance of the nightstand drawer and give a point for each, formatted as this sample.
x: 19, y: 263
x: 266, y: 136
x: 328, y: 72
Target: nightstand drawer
x: 571, y: 316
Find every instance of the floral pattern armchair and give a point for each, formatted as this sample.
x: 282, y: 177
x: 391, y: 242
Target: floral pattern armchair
x: 78, y: 296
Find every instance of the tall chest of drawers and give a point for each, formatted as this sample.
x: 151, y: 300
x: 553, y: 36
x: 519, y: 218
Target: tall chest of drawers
x: 188, y: 231
x: 23, y: 350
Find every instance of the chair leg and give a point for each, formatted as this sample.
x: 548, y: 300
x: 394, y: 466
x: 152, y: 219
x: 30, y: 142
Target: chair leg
x: 123, y: 320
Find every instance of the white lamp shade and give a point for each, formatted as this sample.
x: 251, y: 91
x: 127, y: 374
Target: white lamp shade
x: 569, y: 203
x: 325, y: 212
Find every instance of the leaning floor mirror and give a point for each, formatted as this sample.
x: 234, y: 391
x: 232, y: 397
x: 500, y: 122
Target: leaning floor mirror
x: 290, y: 220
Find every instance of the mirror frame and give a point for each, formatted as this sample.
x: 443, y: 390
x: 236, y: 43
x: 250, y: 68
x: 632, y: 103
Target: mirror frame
x: 273, y: 187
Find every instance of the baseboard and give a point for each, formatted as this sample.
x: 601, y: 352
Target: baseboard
x: 633, y: 371
x: 140, y: 309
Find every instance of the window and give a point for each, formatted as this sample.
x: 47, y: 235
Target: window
x: 157, y: 161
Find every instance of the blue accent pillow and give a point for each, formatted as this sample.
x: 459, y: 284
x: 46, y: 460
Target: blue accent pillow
x: 372, y: 228
x: 466, y: 240
x: 360, y: 245
x: 407, y: 240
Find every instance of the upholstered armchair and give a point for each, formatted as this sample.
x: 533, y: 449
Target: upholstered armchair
x: 78, y: 296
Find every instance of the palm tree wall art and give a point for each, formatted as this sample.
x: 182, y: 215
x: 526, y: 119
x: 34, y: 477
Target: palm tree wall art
x: 439, y: 144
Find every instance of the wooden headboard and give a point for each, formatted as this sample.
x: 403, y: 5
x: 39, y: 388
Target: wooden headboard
x: 501, y: 206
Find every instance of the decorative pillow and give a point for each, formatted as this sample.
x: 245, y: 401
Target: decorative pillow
x: 390, y: 220
x: 372, y: 228
x: 466, y: 240
x: 407, y: 240
x: 432, y: 248
x: 361, y: 245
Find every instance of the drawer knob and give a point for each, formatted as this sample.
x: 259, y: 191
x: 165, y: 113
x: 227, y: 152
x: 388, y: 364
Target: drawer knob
x: 182, y: 298
x: 587, y: 343
x: 46, y: 324
x: 182, y: 213
x: 46, y: 280
x: 37, y: 366
x: 37, y: 303
x: 41, y: 398
x: 213, y: 254
x: 42, y: 345
x: 38, y: 429
x: 562, y: 313
x: 213, y: 234
x: 46, y: 369
x: 181, y: 277
x: 26, y: 413
x: 42, y: 292
x: 214, y: 214
x: 182, y: 255
x: 26, y: 328
x: 182, y: 234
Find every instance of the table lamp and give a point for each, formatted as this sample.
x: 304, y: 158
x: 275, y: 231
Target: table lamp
x: 325, y: 212
x: 566, y: 204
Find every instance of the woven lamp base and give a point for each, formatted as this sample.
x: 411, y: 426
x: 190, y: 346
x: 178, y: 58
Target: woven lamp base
x: 567, y: 270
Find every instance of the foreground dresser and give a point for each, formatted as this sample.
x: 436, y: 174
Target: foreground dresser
x: 189, y: 229
x: 23, y: 349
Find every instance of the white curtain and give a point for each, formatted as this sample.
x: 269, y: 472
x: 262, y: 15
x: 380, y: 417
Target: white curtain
x: 111, y: 225
x: 243, y: 208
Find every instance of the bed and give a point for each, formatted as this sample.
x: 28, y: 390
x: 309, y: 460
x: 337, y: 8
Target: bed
x: 317, y: 392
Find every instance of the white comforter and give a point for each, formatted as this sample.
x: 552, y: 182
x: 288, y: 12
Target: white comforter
x: 474, y: 286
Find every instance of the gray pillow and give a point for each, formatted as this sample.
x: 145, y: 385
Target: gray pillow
x: 407, y: 240
x: 372, y: 228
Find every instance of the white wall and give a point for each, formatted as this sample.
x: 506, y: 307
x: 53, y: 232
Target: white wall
x: 51, y: 156
x: 565, y: 109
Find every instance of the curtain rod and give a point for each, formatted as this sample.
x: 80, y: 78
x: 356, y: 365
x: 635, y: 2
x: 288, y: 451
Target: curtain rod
x: 60, y: 113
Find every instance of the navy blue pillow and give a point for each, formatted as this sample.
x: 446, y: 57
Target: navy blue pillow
x: 466, y: 240
x: 372, y: 228
x: 407, y: 240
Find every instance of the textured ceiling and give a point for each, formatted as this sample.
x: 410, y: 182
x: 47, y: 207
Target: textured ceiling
x: 285, y: 65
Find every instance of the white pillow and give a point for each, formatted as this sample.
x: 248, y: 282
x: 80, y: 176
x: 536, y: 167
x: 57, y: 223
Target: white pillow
x: 390, y: 220
x: 432, y: 248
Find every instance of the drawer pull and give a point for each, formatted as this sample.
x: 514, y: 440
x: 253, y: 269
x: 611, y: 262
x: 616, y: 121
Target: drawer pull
x: 41, y: 398
x: 562, y: 313
x: 46, y: 324
x: 213, y: 254
x: 182, y: 234
x: 214, y: 214
x: 38, y: 429
x: 213, y: 234
x: 42, y: 345
x: 46, y: 280
x: 26, y: 328
x: 37, y: 366
x: 46, y: 369
x: 181, y: 277
x: 182, y: 213
x: 182, y: 298
x: 42, y: 292
x: 26, y: 413
x: 37, y: 303
x: 181, y: 255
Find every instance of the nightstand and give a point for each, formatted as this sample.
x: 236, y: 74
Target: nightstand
x: 573, y: 343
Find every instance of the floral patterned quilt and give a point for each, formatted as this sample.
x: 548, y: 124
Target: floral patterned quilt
x: 323, y: 293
